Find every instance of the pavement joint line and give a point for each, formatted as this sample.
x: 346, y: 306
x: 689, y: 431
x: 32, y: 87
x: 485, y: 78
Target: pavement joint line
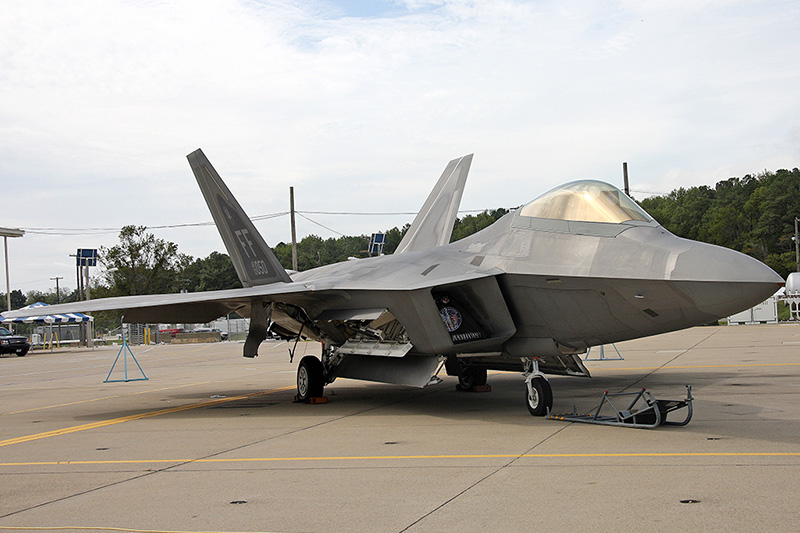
x: 409, y: 457
x: 470, y: 487
x: 140, y: 416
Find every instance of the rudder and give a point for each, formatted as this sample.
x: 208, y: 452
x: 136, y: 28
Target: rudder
x: 254, y: 261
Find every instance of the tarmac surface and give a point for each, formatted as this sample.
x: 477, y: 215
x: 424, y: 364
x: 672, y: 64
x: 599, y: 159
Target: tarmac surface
x: 213, y: 442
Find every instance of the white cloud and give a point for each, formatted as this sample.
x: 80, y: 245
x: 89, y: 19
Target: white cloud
x: 101, y: 100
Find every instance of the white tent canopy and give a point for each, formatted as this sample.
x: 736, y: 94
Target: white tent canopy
x: 37, y: 318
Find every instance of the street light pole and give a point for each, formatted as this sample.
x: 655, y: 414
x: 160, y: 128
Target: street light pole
x: 294, y: 233
x: 8, y: 282
x: 6, y: 233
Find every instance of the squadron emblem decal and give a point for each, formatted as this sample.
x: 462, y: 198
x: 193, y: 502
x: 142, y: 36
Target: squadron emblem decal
x: 451, y: 318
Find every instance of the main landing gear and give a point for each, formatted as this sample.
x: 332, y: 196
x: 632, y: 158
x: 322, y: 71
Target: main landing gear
x: 470, y: 377
x: 310, y: 378
x: 538, y: 394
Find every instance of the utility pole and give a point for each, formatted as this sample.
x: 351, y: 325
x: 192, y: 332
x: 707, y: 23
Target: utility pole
x: 627, y: 189
x: 58, y: 301
x: 58, y: 293
x: 86, y: 271
x: 294, y: 232
x: 84, y: 257
x: 797, y: 243
x: 78, y: 276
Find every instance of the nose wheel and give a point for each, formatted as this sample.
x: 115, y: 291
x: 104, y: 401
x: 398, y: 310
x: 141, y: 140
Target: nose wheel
x: 538, y: 396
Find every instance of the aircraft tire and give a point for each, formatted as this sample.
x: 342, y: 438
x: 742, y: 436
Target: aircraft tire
x: 539, y: 399
x: 470, y: 377
x: 310, y: 378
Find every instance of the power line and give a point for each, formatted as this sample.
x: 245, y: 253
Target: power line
x: 98, y: 231
x: 650, y: 192
x: 379, y: 213
x: 320, y: 225
x: 101, y: 231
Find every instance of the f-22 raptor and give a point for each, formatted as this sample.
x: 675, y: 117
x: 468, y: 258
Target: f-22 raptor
x: 580, y: 266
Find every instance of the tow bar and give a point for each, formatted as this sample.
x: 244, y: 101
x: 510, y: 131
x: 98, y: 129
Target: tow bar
x: 644, y: 411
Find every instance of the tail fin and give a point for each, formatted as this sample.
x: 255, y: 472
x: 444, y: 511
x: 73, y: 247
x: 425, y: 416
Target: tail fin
x: 433, y: 225
x: 254, y: 261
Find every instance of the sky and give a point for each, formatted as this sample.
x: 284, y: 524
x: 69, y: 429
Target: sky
x: 360, y: 105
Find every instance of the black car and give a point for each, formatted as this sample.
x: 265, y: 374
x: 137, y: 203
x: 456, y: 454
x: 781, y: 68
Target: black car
x: 10, y: 343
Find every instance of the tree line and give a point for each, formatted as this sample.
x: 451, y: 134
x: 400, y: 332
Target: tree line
x: 754, y: 214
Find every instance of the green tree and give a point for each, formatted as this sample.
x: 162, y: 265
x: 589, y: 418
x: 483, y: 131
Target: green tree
x: 464, y: 227
x: 314, y: 251
x: 143, y: 264
x: 215, y: 272
x: 17, y: 299
x: 393, y: 238
x: 753, y: 214
x: 48, y: 297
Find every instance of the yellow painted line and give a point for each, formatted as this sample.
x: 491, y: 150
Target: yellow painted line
x: 101, y: 399
x: 594, y: 368
x: 410, y: 457
x: 667, y: 367
x: 101, y: 528
x: 140, y: 416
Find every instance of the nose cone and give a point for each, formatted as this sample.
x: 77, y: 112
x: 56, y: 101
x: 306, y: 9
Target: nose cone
x: 723, y: 282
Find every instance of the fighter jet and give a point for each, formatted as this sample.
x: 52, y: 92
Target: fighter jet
x: 582, y: 265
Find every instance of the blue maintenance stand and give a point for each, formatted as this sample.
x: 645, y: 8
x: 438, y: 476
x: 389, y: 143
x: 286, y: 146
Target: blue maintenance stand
x: 124, y: 350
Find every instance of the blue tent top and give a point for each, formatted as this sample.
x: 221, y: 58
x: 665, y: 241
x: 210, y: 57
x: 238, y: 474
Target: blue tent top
x: 37, y: 318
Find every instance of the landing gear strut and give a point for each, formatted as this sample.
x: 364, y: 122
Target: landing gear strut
x: 470, y: 377
x: 310, y: 378
x: 538, y: 394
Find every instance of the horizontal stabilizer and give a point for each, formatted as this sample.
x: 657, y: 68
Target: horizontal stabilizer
x: 434, y: 223
x: 254, y: 261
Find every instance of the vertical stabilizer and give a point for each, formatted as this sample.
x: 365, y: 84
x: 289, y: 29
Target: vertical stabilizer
x: 433, y: 225
x: 254, y: 261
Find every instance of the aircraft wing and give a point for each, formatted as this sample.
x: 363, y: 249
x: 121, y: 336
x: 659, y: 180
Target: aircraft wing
x: 398, y: 300
x: 330, y: 305
x: 191, y: 307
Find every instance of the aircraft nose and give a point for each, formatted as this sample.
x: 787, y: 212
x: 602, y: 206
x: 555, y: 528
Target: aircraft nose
x: 724, y: 281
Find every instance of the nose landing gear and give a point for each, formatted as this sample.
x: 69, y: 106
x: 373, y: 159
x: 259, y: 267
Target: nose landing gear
x: 538, y: 394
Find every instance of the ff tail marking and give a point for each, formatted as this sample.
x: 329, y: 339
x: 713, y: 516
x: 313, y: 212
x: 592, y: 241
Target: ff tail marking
x: 254, y: 261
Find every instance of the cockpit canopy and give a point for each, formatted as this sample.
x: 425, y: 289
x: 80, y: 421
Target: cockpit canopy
x: 586, y: 201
